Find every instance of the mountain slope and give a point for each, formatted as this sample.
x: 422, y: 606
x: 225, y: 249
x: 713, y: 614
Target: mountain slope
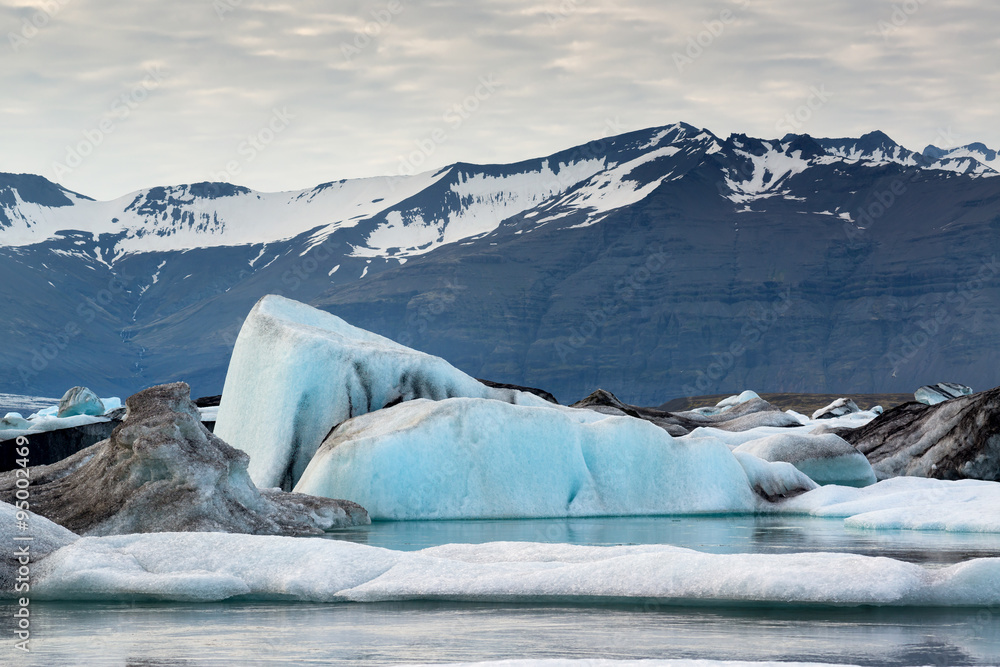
x: 656, y: 263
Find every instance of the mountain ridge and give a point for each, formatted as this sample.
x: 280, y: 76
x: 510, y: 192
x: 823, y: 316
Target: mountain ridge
x: 540, y: 272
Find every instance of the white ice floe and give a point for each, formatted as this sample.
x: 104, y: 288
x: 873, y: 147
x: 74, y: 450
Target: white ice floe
x: 479, y: 458
x: 914, y: 503
x: 219, y: 566
x: 825, y: 458
x: 296, y: 372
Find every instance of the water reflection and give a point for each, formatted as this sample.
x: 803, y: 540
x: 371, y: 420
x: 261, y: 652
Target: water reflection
x: 714, y: 534
x: 398, y: 633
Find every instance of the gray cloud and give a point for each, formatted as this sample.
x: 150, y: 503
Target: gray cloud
x: 367, y: 104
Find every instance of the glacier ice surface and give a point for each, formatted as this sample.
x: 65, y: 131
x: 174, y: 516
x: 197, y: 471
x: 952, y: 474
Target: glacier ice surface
x: 481, y: 458
x: 295, y: 360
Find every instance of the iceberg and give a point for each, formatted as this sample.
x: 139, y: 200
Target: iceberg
x: 14, y: 421
x: 297, y: 372
x: 80, y: 401
x: 826, y: 458
x: 839, y: 408
x: 940, y: 392
x: 480, y: 458
x: 740, y: 413
x: 954, y: 439
x: 742, y: 397
x: 774, y: 480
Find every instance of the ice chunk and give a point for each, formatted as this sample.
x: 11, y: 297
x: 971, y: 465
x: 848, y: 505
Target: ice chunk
x: 940, y: 392
x: 826, y: 459
x: 162, y: 470
x: 44, y: 538
x: 773, y: 480
x: 217, y: 566
x: 111, y: 404
x: 296, y: 372
x: 737, y: 415
x: 476, y: 458
x: 14, y: 420
x: 751, y: 413
x: 839, y: 408
x: 742, y: 397
x: 80, y: 401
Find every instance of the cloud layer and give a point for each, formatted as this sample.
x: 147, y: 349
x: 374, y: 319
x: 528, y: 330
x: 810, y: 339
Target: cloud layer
x: 107, y: 97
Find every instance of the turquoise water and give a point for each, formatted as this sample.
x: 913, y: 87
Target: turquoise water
x: 713, y: 534
x: 399, y: 633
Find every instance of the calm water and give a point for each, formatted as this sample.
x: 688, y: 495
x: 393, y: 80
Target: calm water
x: 713, y: 534
x: 394, y: 633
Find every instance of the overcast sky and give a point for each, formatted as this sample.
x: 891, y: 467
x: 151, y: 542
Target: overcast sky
x: 109, y: 97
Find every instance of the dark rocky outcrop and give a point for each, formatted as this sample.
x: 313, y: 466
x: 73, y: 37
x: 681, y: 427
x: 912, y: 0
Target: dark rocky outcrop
x: 741, y: 417
x: 956, y: 439
x: 541, y: 393
x: 162, y: 470
x: 47, y: 447
x: 208, y: 401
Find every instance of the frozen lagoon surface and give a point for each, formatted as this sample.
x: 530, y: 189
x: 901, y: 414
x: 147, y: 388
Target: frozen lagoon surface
x: 412, y: 632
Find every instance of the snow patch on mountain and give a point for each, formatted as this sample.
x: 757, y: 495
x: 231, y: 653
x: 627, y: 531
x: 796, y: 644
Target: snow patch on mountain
x: 770, y: 170
x: 484, y: 201
x: 613, y: 188
x: 211, y: 214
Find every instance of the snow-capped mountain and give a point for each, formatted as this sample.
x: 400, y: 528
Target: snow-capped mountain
x: 630, y: 262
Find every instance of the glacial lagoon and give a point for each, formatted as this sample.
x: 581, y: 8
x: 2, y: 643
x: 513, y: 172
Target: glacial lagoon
x: 257, y: 633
